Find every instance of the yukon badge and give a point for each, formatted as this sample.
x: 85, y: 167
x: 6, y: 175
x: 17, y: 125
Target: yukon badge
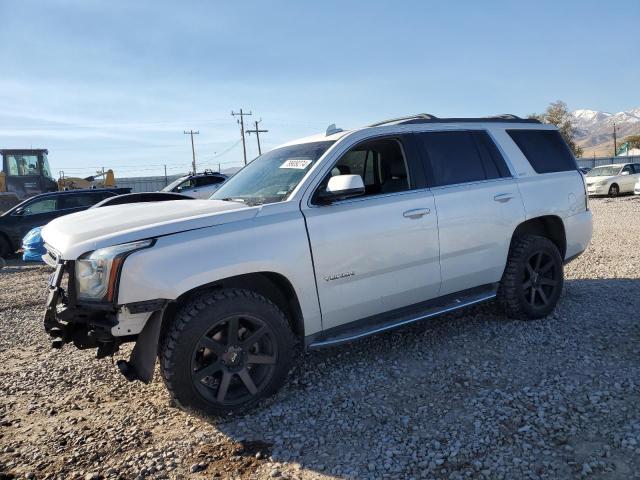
x: 338, y: 276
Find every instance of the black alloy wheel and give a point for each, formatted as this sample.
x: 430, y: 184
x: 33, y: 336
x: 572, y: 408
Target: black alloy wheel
x: 225, y: 350
x: 533, y: 278
x: 540, y: 279
x: 234, y: 360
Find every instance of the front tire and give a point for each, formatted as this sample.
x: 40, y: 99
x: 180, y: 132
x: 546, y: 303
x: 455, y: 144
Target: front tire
x: 5, y: 248
x: 614, y: 190
x: 533, y: 279
x: 225, y: 351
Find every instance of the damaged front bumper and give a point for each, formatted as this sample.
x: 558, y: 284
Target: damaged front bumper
x: 103, y: 326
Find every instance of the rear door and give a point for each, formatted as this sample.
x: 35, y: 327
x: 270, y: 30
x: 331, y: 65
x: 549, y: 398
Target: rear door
x: 77, y: 202
x: 377, y: 252
x: 478, y: 206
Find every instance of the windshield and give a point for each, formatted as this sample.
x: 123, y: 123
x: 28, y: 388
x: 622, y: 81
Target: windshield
x: 272, y: 177
x: 173, y: 184
x: 604, y: 171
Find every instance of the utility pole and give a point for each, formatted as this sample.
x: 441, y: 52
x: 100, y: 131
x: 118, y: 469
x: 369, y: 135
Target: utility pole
x: 165, y: 176
x: 615, y: 140
x: 241, y: 122
x: 193, y: 148
x: 257, y: 131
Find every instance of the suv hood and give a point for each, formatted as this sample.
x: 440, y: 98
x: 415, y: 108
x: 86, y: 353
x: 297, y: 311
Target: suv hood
x: 78, y: 233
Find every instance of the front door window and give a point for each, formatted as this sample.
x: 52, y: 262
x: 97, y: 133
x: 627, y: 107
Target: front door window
x: 47, y: 205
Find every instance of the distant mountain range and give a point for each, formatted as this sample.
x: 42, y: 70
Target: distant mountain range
x: 594, y: 129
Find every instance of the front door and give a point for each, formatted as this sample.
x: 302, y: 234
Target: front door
x: 377, y: 252
x: 628, y: 179
x: 36, y: 213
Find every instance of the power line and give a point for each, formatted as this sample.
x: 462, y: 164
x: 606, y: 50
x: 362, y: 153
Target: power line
x: 257, y: 131
x: 241, y: 122
x: 193, y: 149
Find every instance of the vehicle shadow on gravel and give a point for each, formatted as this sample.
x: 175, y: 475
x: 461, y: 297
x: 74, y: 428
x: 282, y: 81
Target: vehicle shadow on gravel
x: 468, y: 393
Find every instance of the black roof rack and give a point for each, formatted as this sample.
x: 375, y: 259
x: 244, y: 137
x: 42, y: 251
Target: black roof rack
x: 428, y: 118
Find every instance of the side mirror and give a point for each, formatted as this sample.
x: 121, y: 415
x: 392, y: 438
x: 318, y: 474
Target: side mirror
x: 341, y: 187
x: 19, y: 212
x: 626, y: 172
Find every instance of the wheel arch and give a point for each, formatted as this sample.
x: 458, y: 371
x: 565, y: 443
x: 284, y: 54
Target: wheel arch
x: 549, y: 226
x: 273, y: 286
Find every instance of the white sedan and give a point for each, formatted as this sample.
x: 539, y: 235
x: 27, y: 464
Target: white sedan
x: 201, y: 185
x: 612, y: 180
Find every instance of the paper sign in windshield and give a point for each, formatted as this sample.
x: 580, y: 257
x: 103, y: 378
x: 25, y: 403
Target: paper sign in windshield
x: 298, y: 164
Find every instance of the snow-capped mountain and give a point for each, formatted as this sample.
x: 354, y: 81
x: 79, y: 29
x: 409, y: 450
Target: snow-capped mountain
x: 594, y: 129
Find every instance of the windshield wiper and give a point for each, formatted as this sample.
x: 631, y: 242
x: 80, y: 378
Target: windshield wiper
x: 233, y: 199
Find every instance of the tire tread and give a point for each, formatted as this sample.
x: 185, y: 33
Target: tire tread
x: 186, y: 315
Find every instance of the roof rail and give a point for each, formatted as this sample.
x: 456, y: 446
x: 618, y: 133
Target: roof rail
x: 401, y: 120
x: 428, y: 118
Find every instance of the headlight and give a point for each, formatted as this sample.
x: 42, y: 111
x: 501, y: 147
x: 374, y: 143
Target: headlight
x: 97, y: 271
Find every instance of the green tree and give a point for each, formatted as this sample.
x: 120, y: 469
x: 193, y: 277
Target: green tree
x: 558, y: 114
x: 633, y: 141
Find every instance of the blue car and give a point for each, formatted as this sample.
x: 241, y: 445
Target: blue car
x: 33, y: 246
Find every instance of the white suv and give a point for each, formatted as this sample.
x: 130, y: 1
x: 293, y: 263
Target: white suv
x: 612, y: 180
x: 323, y: 240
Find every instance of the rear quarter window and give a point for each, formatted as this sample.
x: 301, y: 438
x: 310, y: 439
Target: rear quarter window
x: 546, y: 151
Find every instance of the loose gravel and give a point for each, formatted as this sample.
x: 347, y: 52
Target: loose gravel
x: 470, y: 395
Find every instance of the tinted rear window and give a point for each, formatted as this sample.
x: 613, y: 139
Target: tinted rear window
x: 545, y: 149
x: 462, y: 157
x: 79, y: 200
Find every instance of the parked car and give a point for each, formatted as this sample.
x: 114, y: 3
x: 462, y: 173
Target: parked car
x: 323, y: 240
x: 201, y: 185
x: 41, y: 209
x: 33, y: 244
x: 612, y: 180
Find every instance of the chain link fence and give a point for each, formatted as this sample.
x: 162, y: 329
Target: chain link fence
x: 598, y: 161
x: 146, y: 184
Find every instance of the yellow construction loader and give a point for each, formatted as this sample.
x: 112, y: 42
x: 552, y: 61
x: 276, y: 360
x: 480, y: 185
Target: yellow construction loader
x: 26, y: 172
x: 73, y: 183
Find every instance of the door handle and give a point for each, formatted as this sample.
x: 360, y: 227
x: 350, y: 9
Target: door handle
x: 503, y: 197
x: 416, y: 213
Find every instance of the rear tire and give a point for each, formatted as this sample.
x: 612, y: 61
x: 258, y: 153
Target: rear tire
x: 225, y: 351
x: 614, y: 190
x: 533, y: 279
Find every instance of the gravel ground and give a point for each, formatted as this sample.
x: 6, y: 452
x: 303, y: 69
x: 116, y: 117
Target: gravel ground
x: 471, y: 395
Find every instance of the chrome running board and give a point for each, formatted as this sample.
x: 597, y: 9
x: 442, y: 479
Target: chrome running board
x: 397, y: 318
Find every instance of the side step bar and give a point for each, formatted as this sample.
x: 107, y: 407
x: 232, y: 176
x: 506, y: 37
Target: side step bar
x: 404, y: 316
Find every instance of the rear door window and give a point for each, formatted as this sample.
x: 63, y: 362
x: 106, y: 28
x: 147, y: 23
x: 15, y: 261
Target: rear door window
x: 461, y: 157
x: 209, y: 180
x: 546, y: 151
x: 79, y: 201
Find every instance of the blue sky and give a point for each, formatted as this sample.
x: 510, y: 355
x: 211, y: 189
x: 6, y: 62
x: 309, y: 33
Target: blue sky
x: 114, y: 83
